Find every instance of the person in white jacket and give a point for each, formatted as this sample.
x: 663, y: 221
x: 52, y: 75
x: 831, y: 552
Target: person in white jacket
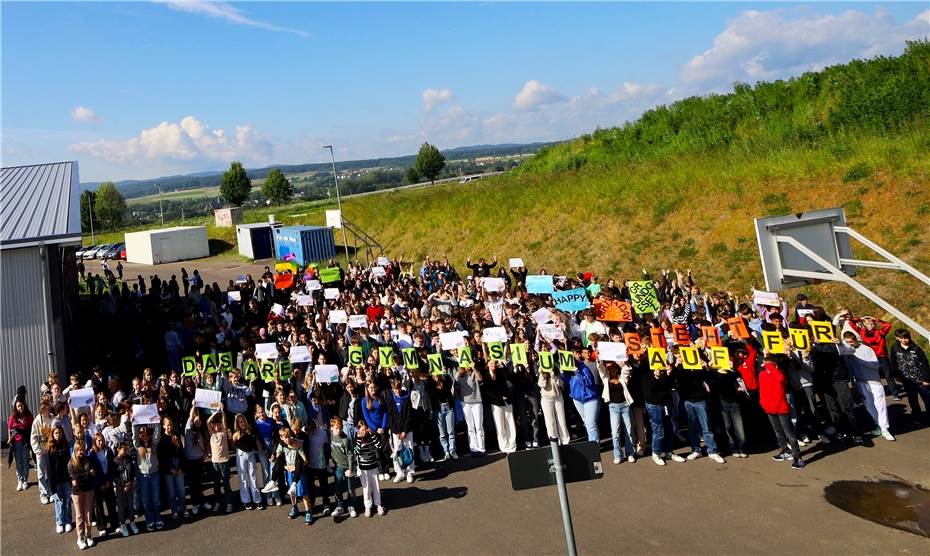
x: 865, y: 368
x: 38, y: 440
x: 553, y: 406
x: 618, y: 398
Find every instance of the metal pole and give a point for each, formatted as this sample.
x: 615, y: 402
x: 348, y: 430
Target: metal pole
x: 161, y: 210
x: 90, y: 209
x: 345, y: 241
x: 563, y: 497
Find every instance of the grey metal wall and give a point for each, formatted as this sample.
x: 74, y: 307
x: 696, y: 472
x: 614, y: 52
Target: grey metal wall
x: 24, y: 337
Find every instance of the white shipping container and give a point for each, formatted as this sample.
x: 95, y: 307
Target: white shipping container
x: 167, y: 245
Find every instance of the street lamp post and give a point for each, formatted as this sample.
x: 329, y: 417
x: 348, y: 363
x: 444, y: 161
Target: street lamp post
x: 345, y: 241
x: 161, y: 209
x: 90, y: 210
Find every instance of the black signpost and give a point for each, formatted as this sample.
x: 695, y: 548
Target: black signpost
x: 557, y: 465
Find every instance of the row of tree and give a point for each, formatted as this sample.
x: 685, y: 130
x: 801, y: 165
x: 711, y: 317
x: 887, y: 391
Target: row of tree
x: 103, y: 209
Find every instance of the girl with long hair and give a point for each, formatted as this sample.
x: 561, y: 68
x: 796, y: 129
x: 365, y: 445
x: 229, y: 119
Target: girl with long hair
x: 146, y: 441
x: 81, y: 474
x: 246, y: 445
x: 171, y: 473
x: 101, y: 458
x: 375, y: 413
x: 19, y: 424
x: 59, y: 482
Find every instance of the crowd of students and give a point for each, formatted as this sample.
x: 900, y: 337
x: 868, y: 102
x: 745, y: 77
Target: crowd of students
x: 294, y: 439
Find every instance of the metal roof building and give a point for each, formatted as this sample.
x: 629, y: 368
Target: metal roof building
x: 40, y: 227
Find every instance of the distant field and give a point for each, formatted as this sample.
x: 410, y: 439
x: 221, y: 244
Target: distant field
x: 197, y: 193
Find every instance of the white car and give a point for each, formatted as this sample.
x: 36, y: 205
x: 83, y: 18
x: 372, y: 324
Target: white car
x: 80, y: 252
x: 98, y: 252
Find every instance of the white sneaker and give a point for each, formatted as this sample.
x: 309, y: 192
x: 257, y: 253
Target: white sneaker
x: 134, y: 528
x: 19, y: 486
x: 631, y: 459
x: 693, y: 456
x: 676, y: 457
x: 381, y: 510
x: 44, y: 500
x: 124, y: 530
x: 293, y: 490
x: 89, y: 541
x: 801, y: 442
x: 717, y: 458
x: 455, y: 456
x: 81, y: 544
x: 277, y: 502
x: 887, y: 435
x: 59, y: 529
x: 69, y: 528
x: 270, y: 487
x: 352, y: 512
x: 337, y: 511
x: 617, y: 461
x: 409, y: 476
x: 398, y: 478
x: 367, y: 512
x: 658, y: 459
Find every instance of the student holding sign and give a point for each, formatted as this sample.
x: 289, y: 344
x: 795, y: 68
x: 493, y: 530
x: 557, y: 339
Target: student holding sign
x: 692, y: 388
x: 553, y: 406
x: 442, y: 399
x: 582, y: 388
x: 467, y: 391
x: 618, y: 400
x: 657, y: 393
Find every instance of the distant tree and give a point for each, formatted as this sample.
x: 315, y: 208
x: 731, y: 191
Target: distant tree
x: 109, y: 206
x: 235, y: 185
x: 277, y: 188
x: 88, y: 198
x: 412, y: 175
x: 430, y: 162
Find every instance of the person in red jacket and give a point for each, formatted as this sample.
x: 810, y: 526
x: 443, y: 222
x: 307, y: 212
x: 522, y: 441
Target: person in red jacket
x: 872, y: 332
x: 746, y: 365
x: 773, y: 397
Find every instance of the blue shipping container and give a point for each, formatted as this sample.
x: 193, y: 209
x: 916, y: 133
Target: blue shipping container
x: 304, y: 244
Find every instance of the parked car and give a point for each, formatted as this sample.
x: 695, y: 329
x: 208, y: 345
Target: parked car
x: 112, y: 252
x: 80, y: 252
x: 122, y: 254
x: 90, y: 251
x: 98, y: 252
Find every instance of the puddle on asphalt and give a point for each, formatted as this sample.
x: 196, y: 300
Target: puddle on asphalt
x: 889, y: 503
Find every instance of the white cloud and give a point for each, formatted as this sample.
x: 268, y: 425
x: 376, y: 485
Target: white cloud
x: 775, y: 44
x: 227, y: 12
x: 434, y: 97
x: 84, y: 115
x: 534, y: 95
x: 188, y: 142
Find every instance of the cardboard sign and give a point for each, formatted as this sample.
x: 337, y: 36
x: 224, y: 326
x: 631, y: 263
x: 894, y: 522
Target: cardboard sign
x: 539, y: 284
x: 250, y: 369
x: 822, y: 331
x: 385, y: 357
x: 329, y: 275
x: 331, y: 293
x: 234, y: 296
x: 518, y: 354
x: 611, y: 351
x: 377, y: 271
x: 634, y: 343
x: 571, y: 300
x: 552, y: 331
x: 657, y: 358
x: 225, y: 361
x: 681, y: 335
x: 207, y: 399
x: 337, y: 316
x: 313, y: 285
x: 145, y: 414
x: 494, y: 334
x: 690, y: 359
x: 81, y: 397
x: 657, y: 335
x: 268, y: 369
x: 382, y: 261
x: 283, y: 281
x: 355, y: 356
x: 494, y: 284
x: 773, y: 342
x: 211, y: 363
x: 546, y: 362
x: 304, y: 300
x: 268, y: 350
x: 326, y: 373
x: 435, y: 363
x: 711, y: 336
x: 241, y: 279
x: 738, y: 328
x: 800, y: 338
x: 188, y: 366
x: 285, y: 369
x: 299, y: 354
x: 516, y: 262
x: 543, y: 315
x: 358, y: 321
x: 720, y: 358
x: 451, y: 340
x: 805, y: 313
x: 334, y: 218
x: 769, y: 299
x: 278, y: 309
x: 465, y: 359
x: 613, y: 310
x: 567, y: 361
x: 411, y: 361
x: 644, y: 296
x: 496, y: 351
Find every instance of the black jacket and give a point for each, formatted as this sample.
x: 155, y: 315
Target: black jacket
x: 344, y: 400
x: 399, y: 421
x: 910, y: 363
x: 58, y: 465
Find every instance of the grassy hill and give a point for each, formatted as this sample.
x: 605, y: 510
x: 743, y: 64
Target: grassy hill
x: 679, y: 187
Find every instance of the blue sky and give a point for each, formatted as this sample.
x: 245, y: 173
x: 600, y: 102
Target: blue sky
x: 135, y: 90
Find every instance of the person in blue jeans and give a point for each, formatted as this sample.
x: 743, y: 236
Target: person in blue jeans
x: 583, y: 391
x: 59, y: 480
x: 146, y: 443
x: 692, y: 386
x: 618, y: 400
x: 657, y: 393
x: 443, y: 400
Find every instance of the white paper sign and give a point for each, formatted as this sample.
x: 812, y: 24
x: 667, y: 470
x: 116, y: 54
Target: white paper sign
x: 451, y: 340
x: 760, y: 297
x: 331, y: 293
x: 377, y: 271
x: 516, y: 262
x: 145, y: 414
x: 313, y: 285
x: 494, y: 334
x: 326, y: 373
x: 278, y: 309
x: 358, y: 321
x: 304, y: 300
x: 494, y: 284
x: 338, y: 317
x: 804, y: 313
x: 334, y: 219
x: 82, y: 397
x: 207, y: 399
x: 235, y: 296
x: 383, y: 261
x: 299, y: 354
x: 551, y: 331
x: 611, y: 351
x: 267, y: 350
x: 543, y: 315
